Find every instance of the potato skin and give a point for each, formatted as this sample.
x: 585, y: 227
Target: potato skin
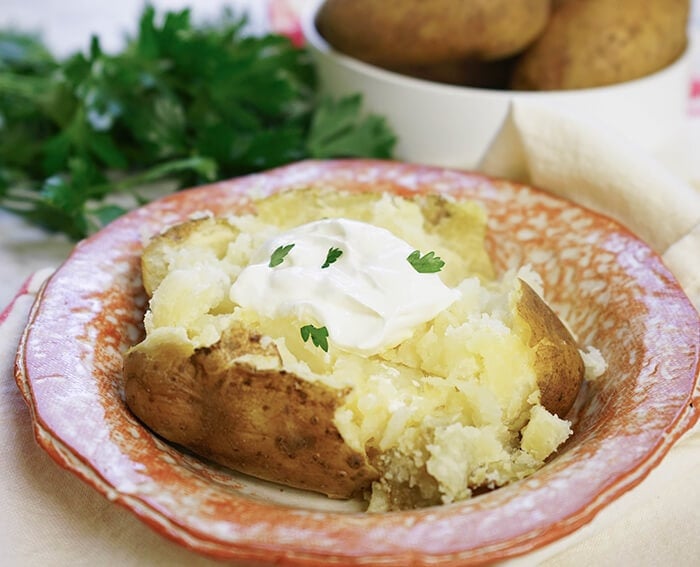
x: 266, y: 423
x: 395, y: 33
x: 590, y: 43
x: 558, y: 364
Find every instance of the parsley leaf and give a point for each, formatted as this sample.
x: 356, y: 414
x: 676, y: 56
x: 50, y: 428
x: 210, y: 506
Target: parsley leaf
x: 183, y: 103
x: 319, y: 336
x: 339, y: 130
x: 332, y: 256
x: 279, y: 254
x: 429, y: 263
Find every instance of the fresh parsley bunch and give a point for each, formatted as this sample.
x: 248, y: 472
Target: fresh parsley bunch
x: 181, y: 103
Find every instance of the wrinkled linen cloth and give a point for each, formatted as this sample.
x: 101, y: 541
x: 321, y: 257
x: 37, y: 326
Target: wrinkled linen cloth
x: 595, y: 168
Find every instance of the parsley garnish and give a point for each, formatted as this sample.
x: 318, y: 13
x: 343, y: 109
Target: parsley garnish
x: 279, y: 254
x: 332, y: 256
x: 319, y: 336
x: 184, y: 103
x: 429, y: 263
x: 339, y: 128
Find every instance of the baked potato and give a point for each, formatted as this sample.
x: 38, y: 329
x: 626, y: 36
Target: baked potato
x: 590, y: 43
x: 399, y: 33
x: 473, y: 397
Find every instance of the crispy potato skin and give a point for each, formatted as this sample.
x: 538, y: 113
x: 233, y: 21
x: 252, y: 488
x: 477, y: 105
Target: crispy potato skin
x: 590, y: 43
x: 266, y: 423
x: 558, y: 363
x: 394, y: 33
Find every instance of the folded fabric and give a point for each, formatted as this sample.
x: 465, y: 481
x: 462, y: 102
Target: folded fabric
x: 609, y: 174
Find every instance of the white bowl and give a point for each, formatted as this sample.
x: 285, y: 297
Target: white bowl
x: 453, y: 126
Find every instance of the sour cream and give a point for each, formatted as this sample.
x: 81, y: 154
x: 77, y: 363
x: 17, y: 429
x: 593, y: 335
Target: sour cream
x: 370, y: 298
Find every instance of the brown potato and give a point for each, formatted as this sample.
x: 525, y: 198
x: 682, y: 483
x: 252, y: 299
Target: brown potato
x: 558, y: 363
x: 395, y: 33
x: 266, y: 423
x: 590, y: 43
x: 233, y: 400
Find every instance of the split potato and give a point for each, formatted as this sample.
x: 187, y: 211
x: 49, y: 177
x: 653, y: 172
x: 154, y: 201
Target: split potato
x: 591, y: 43
x: 475, y: 398
x: 219, y: 402
x: 399, y: 33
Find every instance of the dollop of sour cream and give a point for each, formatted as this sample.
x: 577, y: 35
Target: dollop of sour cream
x: 370, y: 298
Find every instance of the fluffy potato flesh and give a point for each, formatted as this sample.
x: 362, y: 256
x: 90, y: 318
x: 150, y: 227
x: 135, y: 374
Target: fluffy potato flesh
x: 475, y: 398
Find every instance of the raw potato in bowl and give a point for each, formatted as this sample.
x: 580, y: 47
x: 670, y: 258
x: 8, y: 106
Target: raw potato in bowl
x: 337, y: 388
x: 593, y: 43
x: 395, y: 33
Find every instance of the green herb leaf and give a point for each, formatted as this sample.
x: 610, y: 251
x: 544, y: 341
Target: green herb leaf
x: 427, y: 264
x: 319, y: 336
x: 24, y: 52
x: 182, y: 103
x: 102, y: 215
x: 279, y: 254
x: 338, y: 129
x: 332, y: 256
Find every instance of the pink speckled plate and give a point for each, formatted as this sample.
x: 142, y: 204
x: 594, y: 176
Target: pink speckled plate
x: 614, y: 291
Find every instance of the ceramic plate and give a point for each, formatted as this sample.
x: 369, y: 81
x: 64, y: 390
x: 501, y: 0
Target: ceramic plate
x: 612, y: 289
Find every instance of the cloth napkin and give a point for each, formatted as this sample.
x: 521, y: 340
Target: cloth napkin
x: 606, y: 172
